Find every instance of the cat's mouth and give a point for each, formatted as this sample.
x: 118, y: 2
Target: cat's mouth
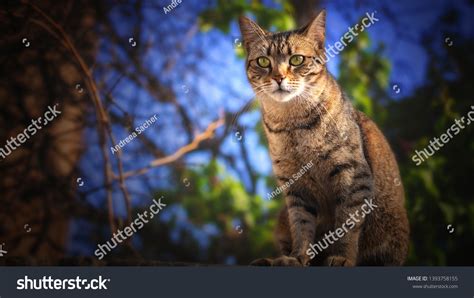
x: 281, y: 91
x: 284, y: 92
x: 282, y: 95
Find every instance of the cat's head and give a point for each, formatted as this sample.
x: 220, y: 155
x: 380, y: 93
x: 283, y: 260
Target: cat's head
x: 284, y: 66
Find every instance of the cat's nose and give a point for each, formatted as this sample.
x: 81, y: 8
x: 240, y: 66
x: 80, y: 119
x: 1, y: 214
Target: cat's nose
x: 279, y: 79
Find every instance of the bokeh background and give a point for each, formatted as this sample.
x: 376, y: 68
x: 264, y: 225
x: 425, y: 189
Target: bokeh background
x: 111, y: 65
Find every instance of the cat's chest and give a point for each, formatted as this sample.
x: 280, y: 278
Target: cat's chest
x: 296, y: 159
x: 299, y: 170
x: 296, y: 146
x: 295, y: 155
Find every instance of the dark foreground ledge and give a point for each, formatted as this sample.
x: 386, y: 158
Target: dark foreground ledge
x: 88, y: 261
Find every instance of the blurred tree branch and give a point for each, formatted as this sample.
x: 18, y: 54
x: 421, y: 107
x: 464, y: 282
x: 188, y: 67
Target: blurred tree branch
x: 102, y: 118
x: 207, y: 134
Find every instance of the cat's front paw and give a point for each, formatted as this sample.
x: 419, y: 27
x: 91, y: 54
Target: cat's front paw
x: 286, y: 261
x: 338, y: 261
x: 262, y: 262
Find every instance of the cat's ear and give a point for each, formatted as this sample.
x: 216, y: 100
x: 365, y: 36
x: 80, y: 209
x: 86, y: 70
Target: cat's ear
x: 250, y: 31
x: 316, y: 29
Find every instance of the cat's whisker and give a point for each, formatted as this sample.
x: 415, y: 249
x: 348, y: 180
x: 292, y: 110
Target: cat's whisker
x: 334, y: 121
x: 307, y: 94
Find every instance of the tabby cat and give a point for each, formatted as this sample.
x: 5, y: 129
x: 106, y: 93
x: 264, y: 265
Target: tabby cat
x: 308, y: 119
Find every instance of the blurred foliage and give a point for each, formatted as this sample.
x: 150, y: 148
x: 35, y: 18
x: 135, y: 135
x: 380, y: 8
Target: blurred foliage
x: 237, y: 226
x: 438, y: 191
x: 364, y: 75
x: 278, y: 18
x: 219, y: 17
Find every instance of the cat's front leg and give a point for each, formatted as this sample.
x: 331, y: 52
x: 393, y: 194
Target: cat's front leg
x: 353, y: 188
x: 302, y: 220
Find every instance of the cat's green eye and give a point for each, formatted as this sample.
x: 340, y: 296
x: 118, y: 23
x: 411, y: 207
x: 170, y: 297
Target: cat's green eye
x: 263, y: 62
x: 296, y: 60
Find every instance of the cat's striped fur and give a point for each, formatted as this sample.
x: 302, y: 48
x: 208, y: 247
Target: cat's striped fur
x: 307, y: 117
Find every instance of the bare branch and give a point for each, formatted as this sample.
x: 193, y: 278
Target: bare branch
x: 102, y: 118
x: 207, y: 134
